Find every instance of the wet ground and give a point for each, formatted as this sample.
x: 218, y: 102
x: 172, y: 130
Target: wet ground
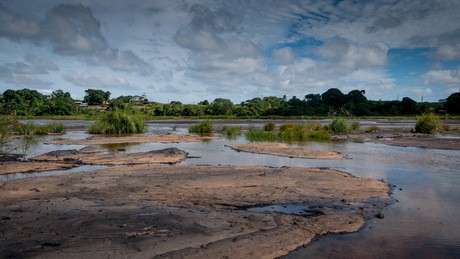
x: 423, y: 223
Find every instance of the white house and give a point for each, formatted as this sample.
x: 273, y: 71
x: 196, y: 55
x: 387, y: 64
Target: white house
x: 136, y: 98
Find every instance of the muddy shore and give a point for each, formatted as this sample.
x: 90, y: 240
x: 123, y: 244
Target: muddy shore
x: 180, y: 211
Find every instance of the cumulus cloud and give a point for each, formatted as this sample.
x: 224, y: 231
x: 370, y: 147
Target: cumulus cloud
x: 15, y: 26
x: 284, y: 55
x: 422, y: 92
x: 21, y: 74
x: 439, y: 77
x: 382, y: 24
x: 87, y: 79
x: 215, y: 60
x: 169, y: 89
x: 353, y: 56
x: 42, y: 63
x: 119, y: 60
x: 73, y: 30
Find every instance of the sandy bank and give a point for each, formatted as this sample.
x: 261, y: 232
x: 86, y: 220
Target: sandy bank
x: 425, y: 142
x: 281, y: 149
x: 180, y: 211
x: 92, y: 156
x: 169, y: 138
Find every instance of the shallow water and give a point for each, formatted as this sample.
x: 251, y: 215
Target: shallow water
x: 423, y: 223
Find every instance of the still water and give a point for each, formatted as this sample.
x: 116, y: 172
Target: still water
x: 423, y: 223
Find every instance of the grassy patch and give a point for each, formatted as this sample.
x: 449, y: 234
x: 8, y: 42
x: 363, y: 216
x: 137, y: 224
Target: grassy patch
x: 269, y: 126
x: 232, y: 130
x: 205, y: 126
x: 116, y: 122
x: 428, y: 123
x: 291, y: 132
x: 339, y: 124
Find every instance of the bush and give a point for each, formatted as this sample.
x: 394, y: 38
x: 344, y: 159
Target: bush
x: 116, y: 122
x: 232, y: 131
x: 287, y: 127
x: 339, y: 124
x: 427, y: 123
x: 269, y: 126
x: 202, y: 127
x: 292, y: 132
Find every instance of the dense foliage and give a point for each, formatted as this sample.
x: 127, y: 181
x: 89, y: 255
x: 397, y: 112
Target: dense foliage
x: 118, y: 122
x: 32, y: 103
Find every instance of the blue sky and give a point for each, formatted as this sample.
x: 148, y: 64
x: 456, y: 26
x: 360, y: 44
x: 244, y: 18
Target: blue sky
x: 190, y: 51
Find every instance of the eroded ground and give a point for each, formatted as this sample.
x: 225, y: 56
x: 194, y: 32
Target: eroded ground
x: 282, y: 149
x: 168, y: 138
x: 180, y: 211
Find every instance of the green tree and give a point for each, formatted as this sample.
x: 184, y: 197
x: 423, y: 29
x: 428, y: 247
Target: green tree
x: 453, y: 103
x: 333, y: 97
x: 408, y: 106
x: 221, y: 106
x: 96, y: 97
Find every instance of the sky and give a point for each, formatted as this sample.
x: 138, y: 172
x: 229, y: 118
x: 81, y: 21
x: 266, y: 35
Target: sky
x: 190, y: 51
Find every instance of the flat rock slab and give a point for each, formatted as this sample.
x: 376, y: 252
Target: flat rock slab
x: 281, y: 149
x: 425, y: 142
x: 161, y: 211
x: 90, y: 156
x: 12, y: 167
x: 169, y: 138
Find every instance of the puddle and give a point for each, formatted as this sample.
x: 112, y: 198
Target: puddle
x: 300, y: 210
x: 69, y: 210
x: 149, y: 213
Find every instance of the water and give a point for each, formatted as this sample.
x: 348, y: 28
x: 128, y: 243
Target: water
x: 423, y: 223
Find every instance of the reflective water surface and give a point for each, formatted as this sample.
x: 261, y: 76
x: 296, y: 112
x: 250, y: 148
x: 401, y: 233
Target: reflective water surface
x: 423, y: 223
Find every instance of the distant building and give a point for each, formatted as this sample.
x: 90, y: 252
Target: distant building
x: 442, y: 101
x: 136, y: 98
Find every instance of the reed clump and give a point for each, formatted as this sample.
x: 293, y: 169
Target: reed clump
x: 428, y: 123
x: 205, y: 126
x: 117, y: 122
x: 292, y: 132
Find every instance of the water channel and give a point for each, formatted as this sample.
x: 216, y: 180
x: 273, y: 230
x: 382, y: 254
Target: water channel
x: 422, y: 223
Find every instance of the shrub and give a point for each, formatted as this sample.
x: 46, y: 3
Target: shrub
x: 427, y: 123
x: 116, y: 122
x: 287, y: 127
x: 202, y: 127
x: 234, y: 130
x: 355, y: 125
x: 269, y: 126
x: 339, y: 124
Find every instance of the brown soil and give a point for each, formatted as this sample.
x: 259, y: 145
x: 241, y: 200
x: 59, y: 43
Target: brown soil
x: 281, y: 149
x: 179, y: 211
x: 90, y: 156
x: 425, y: 142
x: 169, y: 138
x: 32, y: 167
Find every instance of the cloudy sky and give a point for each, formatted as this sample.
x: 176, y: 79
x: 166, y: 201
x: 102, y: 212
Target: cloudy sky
x: 190, y: 51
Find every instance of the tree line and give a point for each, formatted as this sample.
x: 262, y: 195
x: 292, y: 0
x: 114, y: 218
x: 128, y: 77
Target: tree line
x: 32, y: 103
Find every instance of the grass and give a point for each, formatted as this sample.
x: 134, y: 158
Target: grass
x: 340, y: 125
x: 428, y: 123
x: 232, y: 130
x: 291, y: 132
x: 269, y: 126
x: 205, y: 126
x: 117, y: 122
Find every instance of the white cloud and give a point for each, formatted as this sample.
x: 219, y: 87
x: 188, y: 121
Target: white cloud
x: 284, y: 55
x: 17, y: 26
x: 169, y: 89
x: 41, y: 62
x: 353, y: 56
x: 439, y: 77
x: 422, y: 92
x: 87, y: 79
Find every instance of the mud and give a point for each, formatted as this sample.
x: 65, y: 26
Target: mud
x: 168, y: 138
x: 180, y: 211
x: 32, y: 166
x: 281, y: 149
x: 91, y: 156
